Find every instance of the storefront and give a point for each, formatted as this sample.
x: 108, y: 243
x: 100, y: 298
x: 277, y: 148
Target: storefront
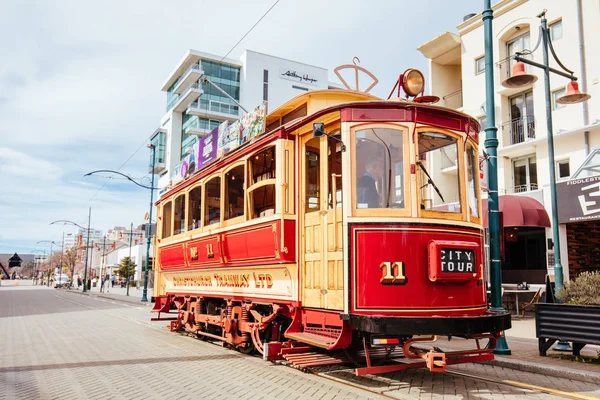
x: 579, y: 209
x: 523, y: 223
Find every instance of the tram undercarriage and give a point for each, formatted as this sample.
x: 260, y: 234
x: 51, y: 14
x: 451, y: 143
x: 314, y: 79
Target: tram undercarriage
x: 264, y: 328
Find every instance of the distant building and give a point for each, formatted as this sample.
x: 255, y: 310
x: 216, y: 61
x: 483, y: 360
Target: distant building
x: 194, y: 108
x: 73, y: 239
x: 457, y: 76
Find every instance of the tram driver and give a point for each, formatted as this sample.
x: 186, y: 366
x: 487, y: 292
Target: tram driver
x: 367, y: 194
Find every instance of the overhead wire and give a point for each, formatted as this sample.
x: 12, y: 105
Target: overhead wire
x: 229, y: 52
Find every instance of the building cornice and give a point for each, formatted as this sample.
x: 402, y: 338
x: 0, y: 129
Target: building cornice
x: 499, y: 9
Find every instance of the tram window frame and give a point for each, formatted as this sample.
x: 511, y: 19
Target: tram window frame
x: 355, y: 174
x: 264, y: 181
x: 430, y: 212
x: 317, y: 195
x: 339, y: 181
x: 226, y: 195
x: 195, y: 223
x: 179, y: 227
x: 477, y: 191
x: 167, y: 218
x: 206, y: 206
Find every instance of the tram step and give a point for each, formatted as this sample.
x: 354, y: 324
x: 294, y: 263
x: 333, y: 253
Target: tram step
x: 313, y: 339
x: 313, y: 359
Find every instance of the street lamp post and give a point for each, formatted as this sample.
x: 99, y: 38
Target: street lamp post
x: 64, y: 221
x: 149, y: 225
x: 491, y: 144
x: 572, y: 96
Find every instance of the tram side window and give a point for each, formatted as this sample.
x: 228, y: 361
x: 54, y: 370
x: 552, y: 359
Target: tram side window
x: 380, y: 168
x: 472, y: 189
x: 335, y: 167
x: 438, y: 172
x: 234, y: 192
x: 179, y: 217
x: 212, y: 213
x: 313, y: 175
x: 261, y: 194
x: 167, y: 210
x: 194, y: 208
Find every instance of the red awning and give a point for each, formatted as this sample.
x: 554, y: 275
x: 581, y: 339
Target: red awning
x: 519, y: 211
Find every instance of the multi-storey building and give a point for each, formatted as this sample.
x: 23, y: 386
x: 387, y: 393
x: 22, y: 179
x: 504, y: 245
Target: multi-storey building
x: 457, y: 76
x: 195, y: 107
x: 79, y: 238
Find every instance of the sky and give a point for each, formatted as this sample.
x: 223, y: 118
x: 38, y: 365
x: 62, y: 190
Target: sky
x: 80, y: 87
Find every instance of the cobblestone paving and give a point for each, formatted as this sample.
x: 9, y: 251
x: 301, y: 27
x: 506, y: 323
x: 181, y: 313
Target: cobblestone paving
x: 60, y: 345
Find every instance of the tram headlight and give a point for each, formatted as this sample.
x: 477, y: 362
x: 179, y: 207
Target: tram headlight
x: 413, y: 82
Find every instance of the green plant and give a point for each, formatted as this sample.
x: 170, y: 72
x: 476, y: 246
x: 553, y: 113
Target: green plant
x: 583, y: 290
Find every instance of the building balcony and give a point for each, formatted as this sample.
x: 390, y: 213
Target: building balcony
x: 519, y: 130
x: 453, y: 100
x: 212, y: 108
x: 191, y: 94
x: 191, y: 75
x: 196, y: 130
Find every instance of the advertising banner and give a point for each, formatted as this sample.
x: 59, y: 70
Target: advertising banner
x: 206, y: 149
x: 578, y: 200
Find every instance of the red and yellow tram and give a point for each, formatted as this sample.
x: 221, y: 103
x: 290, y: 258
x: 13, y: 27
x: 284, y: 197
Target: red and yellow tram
x: 350, y: 221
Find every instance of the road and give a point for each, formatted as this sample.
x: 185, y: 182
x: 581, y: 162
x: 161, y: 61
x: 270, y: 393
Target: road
x: 63, y: 345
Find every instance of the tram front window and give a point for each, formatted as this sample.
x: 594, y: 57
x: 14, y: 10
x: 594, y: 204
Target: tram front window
x: 379, y: 168
x: 438, y: 172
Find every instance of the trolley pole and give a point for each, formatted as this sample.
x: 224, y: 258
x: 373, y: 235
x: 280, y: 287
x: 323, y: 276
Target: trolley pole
x: 491, y: 145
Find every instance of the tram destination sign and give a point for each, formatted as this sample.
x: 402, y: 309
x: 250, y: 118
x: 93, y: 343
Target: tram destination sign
x: 457, y: 260
x: 578, y: 200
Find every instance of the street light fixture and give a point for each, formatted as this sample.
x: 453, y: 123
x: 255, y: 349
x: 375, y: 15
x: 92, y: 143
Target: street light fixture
x: 51, y: 243
x: 572, y: 96
x: 87, y: 244
x: 149, y: 224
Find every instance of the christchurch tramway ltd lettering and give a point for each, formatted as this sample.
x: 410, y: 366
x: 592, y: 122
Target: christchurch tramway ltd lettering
x: 258, y: 281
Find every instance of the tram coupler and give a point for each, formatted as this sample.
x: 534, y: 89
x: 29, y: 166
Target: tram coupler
x: 436, y: 362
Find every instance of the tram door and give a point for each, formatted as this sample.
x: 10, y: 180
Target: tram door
x: 322, y: 264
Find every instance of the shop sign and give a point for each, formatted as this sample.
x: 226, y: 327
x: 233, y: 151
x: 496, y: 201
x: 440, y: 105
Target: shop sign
x: 578, y: 200
x: 297, y: 76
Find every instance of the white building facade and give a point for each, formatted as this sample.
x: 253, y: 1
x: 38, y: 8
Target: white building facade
x: 80, y: 238
x: 457, y: 76
x: 195, y: 107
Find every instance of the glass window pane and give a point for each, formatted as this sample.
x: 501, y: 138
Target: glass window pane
x: 472, y: 189
x: 313, y: 175
x: 195, y: 208
x: 166, y: 219
x: 556, y: 31
x: 212, y: 208
x: 263, y: 165
x: 438, y: 172
x: 263, y: 201
x: 335, y: 167
x: 563, y: 169
x: 179, y: 215
x: 480, y: 65
x: 380, y: 168
x: 234, y: 192
x: 555, y: 96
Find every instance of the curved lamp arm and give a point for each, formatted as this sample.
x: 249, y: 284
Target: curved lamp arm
x: 123, y: 175
x: 65, y: 221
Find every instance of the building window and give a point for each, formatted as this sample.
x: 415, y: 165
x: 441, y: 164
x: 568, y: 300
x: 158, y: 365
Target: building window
x: 195, y: 208
x: 512, y: 47
x: 234, y: 192
x: 179, y: 217
x: 525, y: 174
x: 212, y: 208
x: 265, y: 85
x: 522, y: 120
x: 556, y: 30
x: 482, y: 122
x: 563, y: 168
x: 479, y: 65
x: 557, y: 94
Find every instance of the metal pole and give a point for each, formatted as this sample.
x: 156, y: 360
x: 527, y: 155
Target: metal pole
x: 103, y: 265
x: 491, y: 144
x: 49, y: 264
x: 558, y: 271
x: 129, y: 266
x: 87, y: 243
x: 149, y: 230
x: 62, y: 251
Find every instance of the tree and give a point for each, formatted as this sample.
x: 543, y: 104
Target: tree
x: 126, y: 268
x: 71, y: 258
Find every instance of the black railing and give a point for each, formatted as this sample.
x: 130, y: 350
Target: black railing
x: 520, y: 129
